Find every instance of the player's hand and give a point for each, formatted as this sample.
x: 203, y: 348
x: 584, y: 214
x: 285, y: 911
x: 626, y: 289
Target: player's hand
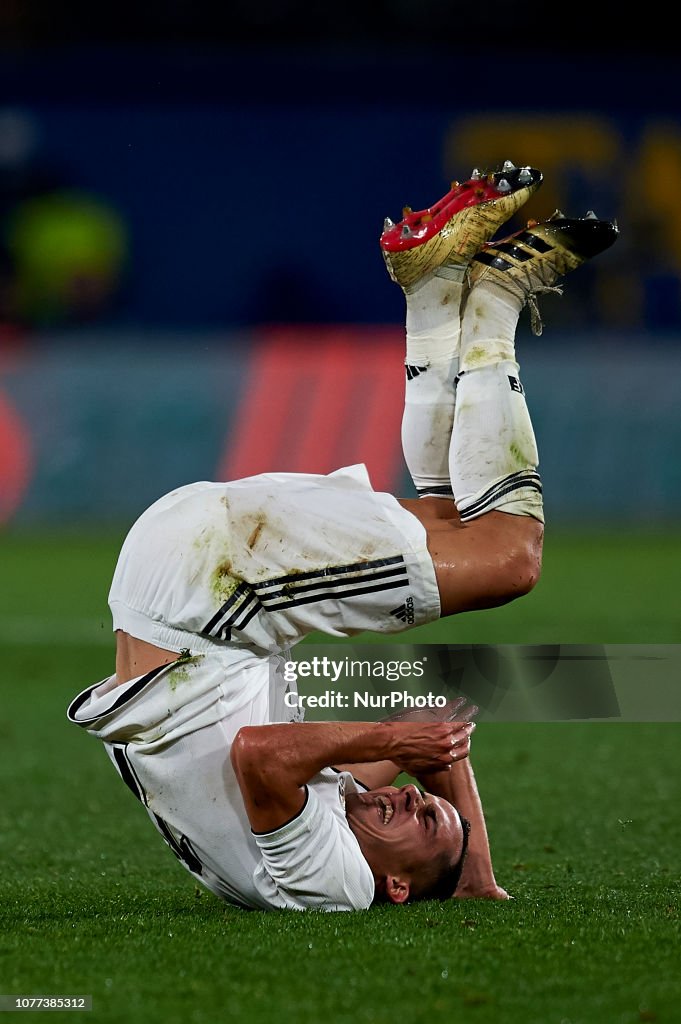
x: 421, y: 748
x: 486, y: 892
x: 459, y: 709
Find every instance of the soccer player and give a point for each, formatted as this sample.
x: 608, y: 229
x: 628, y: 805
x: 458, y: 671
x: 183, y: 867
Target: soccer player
x: 215, y: 581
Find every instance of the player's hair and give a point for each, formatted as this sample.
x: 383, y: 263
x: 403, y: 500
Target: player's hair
x: 445, y: 884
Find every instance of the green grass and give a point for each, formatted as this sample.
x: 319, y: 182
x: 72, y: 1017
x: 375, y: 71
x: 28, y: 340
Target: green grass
x: 583, y: 818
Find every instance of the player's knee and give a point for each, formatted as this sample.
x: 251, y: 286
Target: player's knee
x: 523, y: 567
x: 244, y: 753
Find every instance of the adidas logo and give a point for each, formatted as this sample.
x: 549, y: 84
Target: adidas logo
x: 405, y: 612
x: 414, y: 371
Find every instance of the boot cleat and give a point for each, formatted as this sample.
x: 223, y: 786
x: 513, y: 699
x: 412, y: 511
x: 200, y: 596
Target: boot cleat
x: 452, y: 231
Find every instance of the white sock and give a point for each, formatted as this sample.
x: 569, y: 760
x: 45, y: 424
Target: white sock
x: 433, y: 334
x: 436, y: 302
x: 427, y: 424
x: 488, y: 326
x: 493, y: 456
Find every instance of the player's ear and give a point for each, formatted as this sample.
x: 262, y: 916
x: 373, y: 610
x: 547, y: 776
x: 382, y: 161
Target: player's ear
x: 396, y: 889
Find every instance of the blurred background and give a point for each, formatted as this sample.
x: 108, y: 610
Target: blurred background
x: 191, y: 287
x: 190, y: 205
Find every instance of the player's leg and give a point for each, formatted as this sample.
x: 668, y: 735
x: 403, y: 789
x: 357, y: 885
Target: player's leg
x: 492, y: 554
x: 427, y: 253
x: 431, y: 366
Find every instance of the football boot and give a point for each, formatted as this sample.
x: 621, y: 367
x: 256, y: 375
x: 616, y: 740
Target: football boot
x: 534, y: 259
x: 447, y: 235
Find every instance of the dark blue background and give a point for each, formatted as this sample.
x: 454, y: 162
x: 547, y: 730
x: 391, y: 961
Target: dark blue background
x: 253, y: 180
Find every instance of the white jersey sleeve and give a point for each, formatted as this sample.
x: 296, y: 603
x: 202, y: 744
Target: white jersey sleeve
x: 314, y: 861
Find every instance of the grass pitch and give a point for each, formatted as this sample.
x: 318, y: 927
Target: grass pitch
x: 583, y: 820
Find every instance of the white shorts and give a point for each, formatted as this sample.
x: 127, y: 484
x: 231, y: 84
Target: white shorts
x: 264, y: 561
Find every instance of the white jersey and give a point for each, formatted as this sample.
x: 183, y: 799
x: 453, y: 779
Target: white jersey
x: 230, y: 575
x: 169, y: 735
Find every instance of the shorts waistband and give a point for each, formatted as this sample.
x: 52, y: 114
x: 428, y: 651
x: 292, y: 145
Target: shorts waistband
x: 160, y: 633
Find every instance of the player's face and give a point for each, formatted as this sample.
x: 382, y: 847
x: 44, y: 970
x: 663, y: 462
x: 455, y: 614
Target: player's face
x: 402, y: 831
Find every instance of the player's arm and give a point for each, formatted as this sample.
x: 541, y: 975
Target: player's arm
x: 383, y: 773
x: 459, y: 787
x: 273, y: 763
x: 372, y: 774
